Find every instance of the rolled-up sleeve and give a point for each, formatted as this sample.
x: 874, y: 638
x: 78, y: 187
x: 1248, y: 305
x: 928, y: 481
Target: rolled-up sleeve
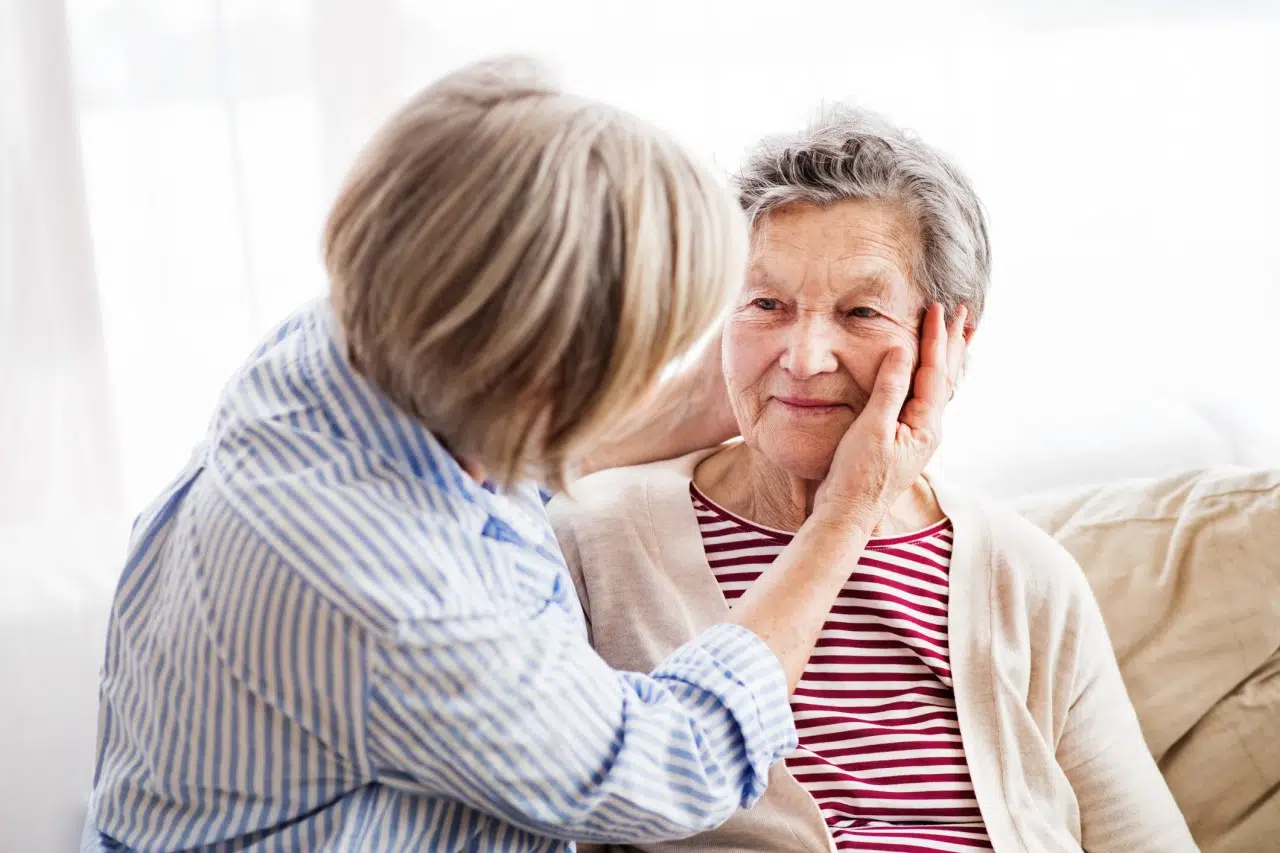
x: 520, y: 718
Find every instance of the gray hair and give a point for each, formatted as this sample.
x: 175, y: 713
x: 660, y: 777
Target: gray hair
x: 849, y: 153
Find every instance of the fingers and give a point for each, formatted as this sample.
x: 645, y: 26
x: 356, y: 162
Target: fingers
x: 956, y: 344
x: 933, y: 339
x: 942, y: 348
x: 893, y: 381
x: 930, y: 391
x: 941, y: 354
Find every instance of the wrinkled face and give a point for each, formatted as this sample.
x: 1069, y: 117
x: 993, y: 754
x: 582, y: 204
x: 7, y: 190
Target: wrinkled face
x: 828, y: 292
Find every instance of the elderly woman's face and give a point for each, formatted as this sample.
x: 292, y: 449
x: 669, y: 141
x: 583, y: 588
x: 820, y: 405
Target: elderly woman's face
x: 828, y: 292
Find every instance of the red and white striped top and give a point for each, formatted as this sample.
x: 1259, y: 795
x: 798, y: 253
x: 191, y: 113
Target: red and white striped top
x: 880, y: 747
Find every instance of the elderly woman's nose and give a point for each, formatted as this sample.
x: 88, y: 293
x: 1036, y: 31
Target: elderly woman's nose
x: 809, y: 350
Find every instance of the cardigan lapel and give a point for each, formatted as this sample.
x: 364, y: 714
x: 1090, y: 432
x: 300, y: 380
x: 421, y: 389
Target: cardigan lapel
x: 970, y: 639
x: 679, y: 541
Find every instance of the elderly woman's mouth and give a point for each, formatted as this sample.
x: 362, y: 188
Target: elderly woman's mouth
x: 811, y: 407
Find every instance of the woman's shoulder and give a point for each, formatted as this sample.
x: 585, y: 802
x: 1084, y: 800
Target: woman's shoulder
x: 603, y: 497
x: 612, y: 488
x: 610, y: 501
x: 1020, y: 554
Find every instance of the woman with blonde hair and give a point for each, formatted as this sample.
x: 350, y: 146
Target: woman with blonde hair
x: 347, y: 624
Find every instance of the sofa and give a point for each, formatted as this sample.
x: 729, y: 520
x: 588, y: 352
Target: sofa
x: 1186, y: 569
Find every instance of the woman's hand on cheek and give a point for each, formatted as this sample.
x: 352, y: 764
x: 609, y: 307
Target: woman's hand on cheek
x: 892, y: 439
x: 689, y: 412
x: 708, y: 411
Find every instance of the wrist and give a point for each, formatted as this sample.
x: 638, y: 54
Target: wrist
x: 832, y: 545
x: 855, y: 522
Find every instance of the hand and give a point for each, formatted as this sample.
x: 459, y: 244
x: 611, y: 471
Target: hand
x: 689, y: 412
x: 889, y: 443
x: 705, y: 414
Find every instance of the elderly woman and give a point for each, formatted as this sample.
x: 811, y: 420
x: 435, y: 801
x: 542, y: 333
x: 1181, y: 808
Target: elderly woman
x: 963, y: 694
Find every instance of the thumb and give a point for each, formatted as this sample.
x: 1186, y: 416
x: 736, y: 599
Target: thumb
x: 893, y: 382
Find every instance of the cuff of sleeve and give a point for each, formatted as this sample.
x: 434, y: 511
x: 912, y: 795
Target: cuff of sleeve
x: 736, y: 666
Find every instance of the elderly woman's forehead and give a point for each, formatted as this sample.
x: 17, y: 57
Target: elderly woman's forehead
x: 787, y: 266
x: 844, y: 228
x: 783, y: 270
x: 839, y: 218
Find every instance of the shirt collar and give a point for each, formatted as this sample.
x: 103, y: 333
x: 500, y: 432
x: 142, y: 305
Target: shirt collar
x: 361, y: 413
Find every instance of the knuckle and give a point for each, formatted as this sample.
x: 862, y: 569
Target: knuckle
x: 897, y: 384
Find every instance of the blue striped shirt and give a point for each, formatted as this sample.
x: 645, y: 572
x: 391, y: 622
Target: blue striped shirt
x: 328, y: 637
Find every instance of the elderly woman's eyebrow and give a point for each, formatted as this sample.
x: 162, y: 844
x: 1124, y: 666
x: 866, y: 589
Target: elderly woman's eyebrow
x: 881, y: 286
x: 878, y: 283
x: 759, y: 275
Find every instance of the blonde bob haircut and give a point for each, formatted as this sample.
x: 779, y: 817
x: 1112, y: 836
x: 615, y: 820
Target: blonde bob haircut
x: 515, y: 266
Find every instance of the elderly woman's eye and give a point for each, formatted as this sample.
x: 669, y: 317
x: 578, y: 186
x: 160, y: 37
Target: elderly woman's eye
x: 864, y: 313
x: 765, y: 304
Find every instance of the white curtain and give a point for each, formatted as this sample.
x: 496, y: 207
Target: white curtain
x: 56, y: 429
x: 1127, y: 157
x: 165, y: 170
x: 62, y: 525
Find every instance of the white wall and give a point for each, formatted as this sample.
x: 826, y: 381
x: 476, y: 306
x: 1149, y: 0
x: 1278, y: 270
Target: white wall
x: 1127, y: 158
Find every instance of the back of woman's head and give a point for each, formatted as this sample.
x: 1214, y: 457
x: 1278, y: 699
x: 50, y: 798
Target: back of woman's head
x: 514, y: 266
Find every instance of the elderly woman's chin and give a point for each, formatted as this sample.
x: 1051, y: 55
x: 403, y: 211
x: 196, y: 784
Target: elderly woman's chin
x: 799, y: 454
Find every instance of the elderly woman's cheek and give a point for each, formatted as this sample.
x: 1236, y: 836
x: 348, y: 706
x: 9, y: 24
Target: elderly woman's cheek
x: 750, y: 351
x: 864, y: 350
x: 745, y: 377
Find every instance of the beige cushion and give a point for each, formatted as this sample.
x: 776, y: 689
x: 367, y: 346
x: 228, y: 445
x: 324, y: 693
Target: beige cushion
x: 1187, y: 571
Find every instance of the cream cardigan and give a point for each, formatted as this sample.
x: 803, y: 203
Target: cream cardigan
x: 1054, y: 749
